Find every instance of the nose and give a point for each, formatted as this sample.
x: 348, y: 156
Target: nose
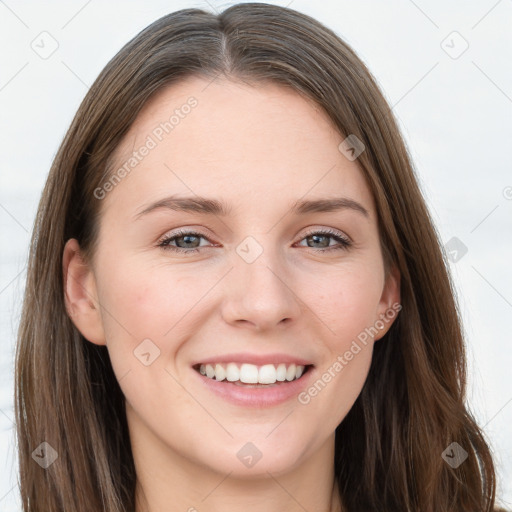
x: 259, y: 294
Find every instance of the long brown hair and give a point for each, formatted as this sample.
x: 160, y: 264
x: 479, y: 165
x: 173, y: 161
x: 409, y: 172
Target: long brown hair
x: 388, y: 449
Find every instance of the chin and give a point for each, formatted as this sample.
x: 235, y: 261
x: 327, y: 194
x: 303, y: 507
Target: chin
x: 248, y: 459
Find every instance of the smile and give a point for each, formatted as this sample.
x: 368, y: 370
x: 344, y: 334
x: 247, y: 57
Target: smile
x: 252, y: 374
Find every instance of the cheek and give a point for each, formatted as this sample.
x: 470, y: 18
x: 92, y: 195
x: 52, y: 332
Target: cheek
x: 145, y: 314
x: 146, y: 301
x: 344, y: 301
x: 151, y: 310
x: 346, y: 306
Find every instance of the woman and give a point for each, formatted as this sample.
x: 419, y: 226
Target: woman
x: 251, y: 371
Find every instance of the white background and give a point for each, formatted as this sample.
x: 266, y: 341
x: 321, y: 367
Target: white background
x: 455, y: 113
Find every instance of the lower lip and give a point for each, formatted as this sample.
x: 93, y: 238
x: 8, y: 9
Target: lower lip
x: 261, y: 396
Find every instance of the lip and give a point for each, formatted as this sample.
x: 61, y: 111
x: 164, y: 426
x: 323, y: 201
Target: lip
x: 259, y: 397
x: 256, y: 359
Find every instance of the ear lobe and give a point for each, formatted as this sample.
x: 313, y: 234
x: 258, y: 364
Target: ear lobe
x: 389, y: 305
x: 80, y: 294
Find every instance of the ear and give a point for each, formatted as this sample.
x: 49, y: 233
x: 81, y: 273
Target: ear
x: 389, y: 304
x: 80, y: 294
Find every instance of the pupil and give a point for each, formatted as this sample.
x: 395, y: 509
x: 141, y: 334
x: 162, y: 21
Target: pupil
x: 321, y: 236
x: 187, y: 237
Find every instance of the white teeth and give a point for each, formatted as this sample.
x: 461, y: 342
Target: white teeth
x: 290, y: 372
x: 252, y: 374
x: 220, y: 373
x: 210, y: 372
x: 232, y: 372
x: 281, y: 372
x: 249, y: 374
x: 267, y: 374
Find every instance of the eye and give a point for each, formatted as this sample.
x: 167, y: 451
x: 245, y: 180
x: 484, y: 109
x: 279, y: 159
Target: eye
x: 191, y: 241
x: 190, y: 238
x: 317, y: 236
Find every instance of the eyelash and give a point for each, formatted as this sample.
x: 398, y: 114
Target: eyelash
x: 344, y: 243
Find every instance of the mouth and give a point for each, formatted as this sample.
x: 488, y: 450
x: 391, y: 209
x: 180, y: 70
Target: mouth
x: 253, y: 376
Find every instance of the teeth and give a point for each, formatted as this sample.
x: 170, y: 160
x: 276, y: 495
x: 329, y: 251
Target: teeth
x: 220, y: 372
x: 252, y: 374
x: 249, y: 374
x: 267, y: 374
x: 291, y: 372
x: 232, y: 372
x: 281, y: 372
x: 210, y: 372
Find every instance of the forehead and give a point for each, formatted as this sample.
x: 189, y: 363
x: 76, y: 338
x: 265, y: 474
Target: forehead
x: 255, y: 142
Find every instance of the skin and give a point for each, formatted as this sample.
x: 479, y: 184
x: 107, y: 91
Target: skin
x: 259, y: 149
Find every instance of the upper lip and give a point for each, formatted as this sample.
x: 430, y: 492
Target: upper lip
x: 256, y: 359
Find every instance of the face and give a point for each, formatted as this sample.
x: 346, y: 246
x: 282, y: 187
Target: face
x: 277, y: 279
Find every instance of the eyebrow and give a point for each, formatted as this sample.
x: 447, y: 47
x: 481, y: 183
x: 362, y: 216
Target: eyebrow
x: 214, y: 207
